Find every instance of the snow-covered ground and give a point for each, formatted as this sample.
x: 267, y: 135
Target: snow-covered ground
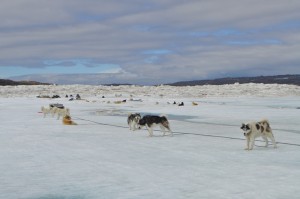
x: 101, y: 158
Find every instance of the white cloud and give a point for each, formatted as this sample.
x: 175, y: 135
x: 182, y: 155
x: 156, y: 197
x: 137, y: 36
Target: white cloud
x: 202, y: 38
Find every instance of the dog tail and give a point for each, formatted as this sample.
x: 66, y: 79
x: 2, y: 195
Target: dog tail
x: 266, y: 123
x: 165, y: 122
x: 163, y: 116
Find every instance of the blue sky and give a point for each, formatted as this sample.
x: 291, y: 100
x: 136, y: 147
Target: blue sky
x: 147, y: 42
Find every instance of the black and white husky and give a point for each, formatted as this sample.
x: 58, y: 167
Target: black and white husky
x: 133, y: 120
x: 253, y: 130
x: 150, y: 121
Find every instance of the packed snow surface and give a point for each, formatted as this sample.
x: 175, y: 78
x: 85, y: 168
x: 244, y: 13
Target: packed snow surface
x: 101, y: 158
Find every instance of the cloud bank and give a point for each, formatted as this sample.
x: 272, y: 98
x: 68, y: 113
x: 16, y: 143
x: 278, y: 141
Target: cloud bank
x: 147, y: 42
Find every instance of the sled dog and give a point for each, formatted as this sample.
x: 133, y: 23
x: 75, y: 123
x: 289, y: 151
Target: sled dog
x: 253, y: 130
x: 67, y: 120
x: 133, y: 120
x: 150, y: 121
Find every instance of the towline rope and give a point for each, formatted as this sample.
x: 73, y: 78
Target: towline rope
x: 184, y: 133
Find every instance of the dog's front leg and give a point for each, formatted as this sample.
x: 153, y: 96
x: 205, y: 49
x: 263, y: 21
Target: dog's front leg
x: 135, y: 126
x: 52, y: 111
x: 248, y: 142
x: 252, y: 140
x: 132, y: 126
x: 150, y: 130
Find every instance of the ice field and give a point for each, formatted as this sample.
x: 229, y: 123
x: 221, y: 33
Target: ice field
x: 100, y: 158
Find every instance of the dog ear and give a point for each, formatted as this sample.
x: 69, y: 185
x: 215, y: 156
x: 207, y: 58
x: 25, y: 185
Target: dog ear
x: 248, y: 126
x: 243, y: 125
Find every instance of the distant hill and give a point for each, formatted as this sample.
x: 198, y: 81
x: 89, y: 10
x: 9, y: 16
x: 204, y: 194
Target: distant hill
x: 278, y: 79
x: 115, y: 84
x: 7, y: 82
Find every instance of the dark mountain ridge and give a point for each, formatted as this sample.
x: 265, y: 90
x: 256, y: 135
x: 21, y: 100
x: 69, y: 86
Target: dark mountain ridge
x: 8, y: 82
x: 277, y: 79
